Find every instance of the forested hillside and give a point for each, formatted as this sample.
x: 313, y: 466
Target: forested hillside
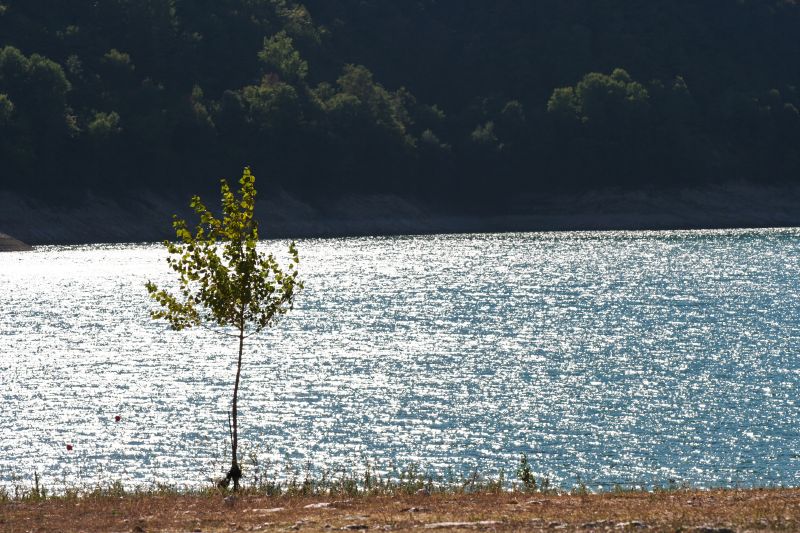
x: 462, y: 103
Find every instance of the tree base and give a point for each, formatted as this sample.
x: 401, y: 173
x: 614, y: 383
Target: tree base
x: 234, y: 474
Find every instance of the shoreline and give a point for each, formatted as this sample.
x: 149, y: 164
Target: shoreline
x: 146, y: 217
x: 718, y: 511
x: 470, y: 230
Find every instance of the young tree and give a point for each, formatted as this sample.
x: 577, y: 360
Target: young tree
x: 225, y: 282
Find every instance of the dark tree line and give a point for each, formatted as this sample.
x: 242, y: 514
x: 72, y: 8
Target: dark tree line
x: 466, y: 104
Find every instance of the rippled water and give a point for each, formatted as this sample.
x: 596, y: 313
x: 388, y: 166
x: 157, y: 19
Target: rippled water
x: 636, y: 357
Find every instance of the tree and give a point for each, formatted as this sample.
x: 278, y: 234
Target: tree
x: 38, y: 87
x: 104, y: 125
x: 6, y: 109
x: 225, y: 282
x: 279, y: 55
x: 601, y: 100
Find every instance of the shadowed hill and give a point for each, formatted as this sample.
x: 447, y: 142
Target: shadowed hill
x: 462, y: 106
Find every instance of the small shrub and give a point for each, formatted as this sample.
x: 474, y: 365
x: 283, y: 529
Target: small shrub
x: 580, y: 489
x: 525, y: 474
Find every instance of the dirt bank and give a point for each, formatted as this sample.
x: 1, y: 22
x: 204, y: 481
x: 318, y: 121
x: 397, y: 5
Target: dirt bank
x: 700, y: 511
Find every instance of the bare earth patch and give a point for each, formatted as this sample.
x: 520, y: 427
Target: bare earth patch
x: 698, y: 511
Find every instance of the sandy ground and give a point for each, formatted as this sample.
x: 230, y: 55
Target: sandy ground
x: 699, y: 511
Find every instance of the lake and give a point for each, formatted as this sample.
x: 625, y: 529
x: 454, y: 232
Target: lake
x: 631, y: 358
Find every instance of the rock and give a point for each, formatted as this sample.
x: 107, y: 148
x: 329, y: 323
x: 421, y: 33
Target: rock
x: 597, y: 524
x: 267, y: 511
x: 451, y: 525
x: 10, y: 244
x: 632, y: 524
x: 713, y: 529
x: 320, y: 505
x: 328, y: 505
x: 354, y: 527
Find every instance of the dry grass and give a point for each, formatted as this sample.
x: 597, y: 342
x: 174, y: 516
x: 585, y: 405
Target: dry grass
x: 736, y: 510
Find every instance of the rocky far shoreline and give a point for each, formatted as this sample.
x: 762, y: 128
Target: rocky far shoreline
x: 10, y: 244
x: 146, y: 217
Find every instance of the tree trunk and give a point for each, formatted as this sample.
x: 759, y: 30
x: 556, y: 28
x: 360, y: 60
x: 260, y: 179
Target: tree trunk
x: 235, y: 472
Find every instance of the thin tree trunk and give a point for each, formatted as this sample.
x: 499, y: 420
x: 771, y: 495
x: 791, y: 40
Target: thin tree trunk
x: 236, y: 472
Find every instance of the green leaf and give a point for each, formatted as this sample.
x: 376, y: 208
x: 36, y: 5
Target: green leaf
x: 222, y: 277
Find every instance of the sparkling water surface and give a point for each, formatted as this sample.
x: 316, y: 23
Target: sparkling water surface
x: 623, y: 357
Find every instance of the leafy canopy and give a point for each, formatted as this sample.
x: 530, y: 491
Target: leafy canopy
x: 600, y: 98
x: 223, y: 278
x: 279, y: 55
